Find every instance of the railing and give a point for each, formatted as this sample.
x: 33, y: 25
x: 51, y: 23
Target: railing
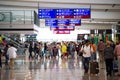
x: 16, y: 17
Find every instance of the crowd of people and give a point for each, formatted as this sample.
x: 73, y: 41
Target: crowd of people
x: 86, y: 50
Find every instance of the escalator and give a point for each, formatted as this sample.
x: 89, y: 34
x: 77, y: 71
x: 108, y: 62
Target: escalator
x: 16, y: 43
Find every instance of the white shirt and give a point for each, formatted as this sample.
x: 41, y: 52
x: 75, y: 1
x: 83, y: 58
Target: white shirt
x: 11, y: 52
x: 87, y: 49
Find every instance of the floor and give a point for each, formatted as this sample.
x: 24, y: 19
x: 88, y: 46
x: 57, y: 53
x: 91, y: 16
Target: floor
x: 50, y: 69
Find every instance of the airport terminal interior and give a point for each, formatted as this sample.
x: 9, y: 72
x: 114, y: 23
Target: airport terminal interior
x: 59, y: 39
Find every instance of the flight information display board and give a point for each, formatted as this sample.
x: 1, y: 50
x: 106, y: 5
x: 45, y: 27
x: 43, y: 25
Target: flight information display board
x: 62, y: 22
x: 51, y: 22
x: 74, y: 22
x: 64, y: 13
x: 82, y: 13
x: 46, y: 13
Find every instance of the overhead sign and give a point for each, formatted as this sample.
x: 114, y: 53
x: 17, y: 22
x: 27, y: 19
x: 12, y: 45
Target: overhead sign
x: 51, y: 22
x: 46, y: 13
x: 62, y: 22
x: 64, y: 13
x: 66, y: 28
x: 61, y: 32
x: 82, y: 13
x: 74, y: 22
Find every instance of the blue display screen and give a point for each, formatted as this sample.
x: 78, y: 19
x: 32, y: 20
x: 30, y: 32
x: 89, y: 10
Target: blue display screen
x: 51, y: 22
x: 64, y: 22
x: 82, y: 13
x: 75, y: 22
x: 46, y: 13
x: 64, y: 13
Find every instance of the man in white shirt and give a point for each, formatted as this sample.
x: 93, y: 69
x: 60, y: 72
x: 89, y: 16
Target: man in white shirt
x: 86, y: 50
x: 11, y: 52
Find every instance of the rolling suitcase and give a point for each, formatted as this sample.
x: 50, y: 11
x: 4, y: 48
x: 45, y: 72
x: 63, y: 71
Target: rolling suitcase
x: 94, y: 67
x: 115, y: 66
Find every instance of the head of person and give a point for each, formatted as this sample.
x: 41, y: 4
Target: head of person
x: 101, y: 40
x: 92, y: 42
x: 108, y: 43
x: 11, y: 44
x: 87, y: 42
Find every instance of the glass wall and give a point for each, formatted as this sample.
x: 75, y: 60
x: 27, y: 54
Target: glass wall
x: 16, y: 17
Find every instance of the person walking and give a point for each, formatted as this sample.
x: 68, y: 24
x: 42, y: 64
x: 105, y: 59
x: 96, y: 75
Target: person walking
x: 93, y: 55
x: 109, y: 56
x: 117, y: 53
x: 11, y: 52
x: 5, y: 54
x: 64, y: 50
x: 30, y: 51
x: 0, y: 58
x: 87, y: 51
x: 101, y: 47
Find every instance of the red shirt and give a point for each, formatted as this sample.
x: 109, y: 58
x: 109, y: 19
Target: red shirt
x: 101, y: 46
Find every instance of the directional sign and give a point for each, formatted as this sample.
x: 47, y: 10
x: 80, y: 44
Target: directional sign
x: 46, y: 13
x: 64, y: 13
x: 68, y: 13
x: 51, y: 22
x: 61, y: 32
x: 74, y: 22
x: 66, y: 28
x: 63, y: 22
x: 82, y: 13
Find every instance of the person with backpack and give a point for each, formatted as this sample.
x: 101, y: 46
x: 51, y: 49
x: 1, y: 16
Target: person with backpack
x: 87, y: 51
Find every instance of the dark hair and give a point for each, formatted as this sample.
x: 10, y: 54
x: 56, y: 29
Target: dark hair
x: 11, y: 44
x: 101, y: 40
x: 7, y: 45
x: 87, y: 41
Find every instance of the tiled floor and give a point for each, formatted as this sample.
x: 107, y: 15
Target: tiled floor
x: 50, y: 69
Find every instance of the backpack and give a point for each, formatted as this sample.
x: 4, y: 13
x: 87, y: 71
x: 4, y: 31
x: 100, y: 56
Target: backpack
x: 90, y: 47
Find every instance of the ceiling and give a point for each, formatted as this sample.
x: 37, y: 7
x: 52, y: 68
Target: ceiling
x: 102, y: 11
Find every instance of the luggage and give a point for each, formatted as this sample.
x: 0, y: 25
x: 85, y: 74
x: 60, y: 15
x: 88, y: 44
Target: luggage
x: 115, y: 66
x: 94, y: 67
